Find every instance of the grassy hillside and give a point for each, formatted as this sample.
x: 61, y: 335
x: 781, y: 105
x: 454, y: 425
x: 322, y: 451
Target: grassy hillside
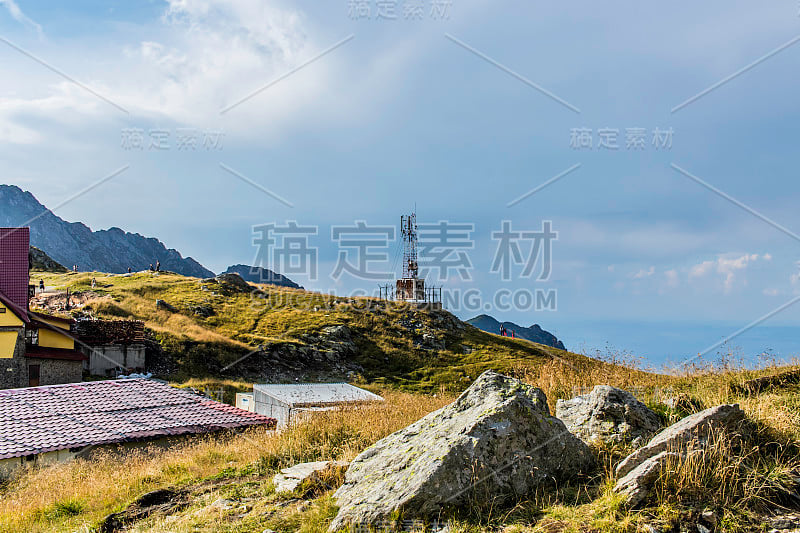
x: 205, y: 328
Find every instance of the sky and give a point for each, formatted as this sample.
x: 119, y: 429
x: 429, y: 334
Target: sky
x: 659, y: 141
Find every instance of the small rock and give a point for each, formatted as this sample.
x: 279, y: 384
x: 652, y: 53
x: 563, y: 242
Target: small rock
x: 223, y: 504
x: 709, y: 518
x: 639, y: 470
x: 291, y: 478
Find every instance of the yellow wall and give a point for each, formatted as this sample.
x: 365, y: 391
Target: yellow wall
x: 63, y: 324
x: 9, y: 318
x: 8, y: 343
x: 51, y: 339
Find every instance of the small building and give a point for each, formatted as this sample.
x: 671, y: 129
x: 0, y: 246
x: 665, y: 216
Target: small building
x: 112, y: 347
x: 288, y: 403
x: 35, y: 348
x: 244, y: 401
x: 43, y: 425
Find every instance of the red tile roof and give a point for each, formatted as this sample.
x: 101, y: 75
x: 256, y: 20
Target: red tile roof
x: 40, y: 352
x: 14, y: 277
x: 57, y: 417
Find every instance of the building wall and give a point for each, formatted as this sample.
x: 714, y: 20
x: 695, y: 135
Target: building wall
x: 104, y: 359
x: 8, y: 318
x: 52, y: 339
x: 268, y: 406
x: 8, y: 466
x: 245, y: 401
x: 13, y: 372
x: 55, y: 371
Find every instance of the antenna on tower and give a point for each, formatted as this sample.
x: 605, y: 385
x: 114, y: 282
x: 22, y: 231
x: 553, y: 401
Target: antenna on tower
x: 410, y: 287
x: 408, y: 229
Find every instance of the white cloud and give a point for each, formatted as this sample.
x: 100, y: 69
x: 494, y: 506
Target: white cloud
x: 17, y: 14
x: 645, y: 273
x: 726, y: 265
x: 672, y: 278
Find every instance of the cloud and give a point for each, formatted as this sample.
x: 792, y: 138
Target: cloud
x: 726, y: 265
x: 672, y: 278
x: 17, y: 14
x: 645, y: 273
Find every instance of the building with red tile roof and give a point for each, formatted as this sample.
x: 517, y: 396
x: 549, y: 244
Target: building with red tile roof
x: 59, y: 422
x: 35, y: 349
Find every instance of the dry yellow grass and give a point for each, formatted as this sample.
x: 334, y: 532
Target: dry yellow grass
x: 70, y: 496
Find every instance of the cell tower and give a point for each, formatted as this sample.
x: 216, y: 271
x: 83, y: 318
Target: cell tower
x: 410, y: 287
x: 408, y: 230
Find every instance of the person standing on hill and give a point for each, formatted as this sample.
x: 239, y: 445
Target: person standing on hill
x: 41, y: 285
x: 158, y: 266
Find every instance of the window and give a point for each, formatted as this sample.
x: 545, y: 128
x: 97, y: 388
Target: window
x: 32, y: 336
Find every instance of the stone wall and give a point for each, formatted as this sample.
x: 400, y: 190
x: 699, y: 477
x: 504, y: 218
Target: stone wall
x: 55, y: 371
x: 13, y: 372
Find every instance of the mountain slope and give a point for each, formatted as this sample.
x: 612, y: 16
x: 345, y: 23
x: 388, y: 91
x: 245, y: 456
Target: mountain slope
x: 215, y: 329
x: 256, y: 274
x: 44, y: 263
x: 73, y: 243
x: 534, y: 333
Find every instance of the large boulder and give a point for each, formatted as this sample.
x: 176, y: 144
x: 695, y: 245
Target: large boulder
x: 608, y: 414
x: 637, y: 472
x: 496, y: 441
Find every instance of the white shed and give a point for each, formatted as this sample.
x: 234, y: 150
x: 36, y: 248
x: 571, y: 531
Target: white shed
x: 286, y: 402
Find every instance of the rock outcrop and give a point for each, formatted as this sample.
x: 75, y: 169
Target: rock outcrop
x: 496, y: 441
x: 256, y: 274
x: 608, y: 414
x: 233, y: 282
x: 637, y: 472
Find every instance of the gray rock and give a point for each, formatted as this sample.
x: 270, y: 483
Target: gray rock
x: 497, y: 440
x: 637, y: 472
x: 161, y: 304
x: 234, y: 282
x: 608, y: 414
x: 291, y: 478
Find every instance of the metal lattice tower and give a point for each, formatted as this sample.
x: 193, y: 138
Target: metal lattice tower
x: 408, y: 229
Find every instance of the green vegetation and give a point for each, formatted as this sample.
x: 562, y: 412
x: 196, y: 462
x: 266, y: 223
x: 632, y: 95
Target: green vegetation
x: 738, y: 479
x: 396, y: 345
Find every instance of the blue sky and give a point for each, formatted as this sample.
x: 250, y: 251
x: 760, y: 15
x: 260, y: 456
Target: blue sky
x: 401, y: 114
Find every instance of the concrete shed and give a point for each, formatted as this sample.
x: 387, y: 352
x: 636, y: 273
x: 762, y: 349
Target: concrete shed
x: 287, y: 403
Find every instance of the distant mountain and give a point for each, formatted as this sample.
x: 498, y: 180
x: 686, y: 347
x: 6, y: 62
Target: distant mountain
x: 255, y: 274
x: 72, y: 243
x: 533, y: 333
x: 42, y: 262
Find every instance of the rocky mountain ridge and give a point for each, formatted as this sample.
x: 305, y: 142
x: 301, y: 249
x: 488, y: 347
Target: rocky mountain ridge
x: 73, y: 243
x: 534, y: 333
